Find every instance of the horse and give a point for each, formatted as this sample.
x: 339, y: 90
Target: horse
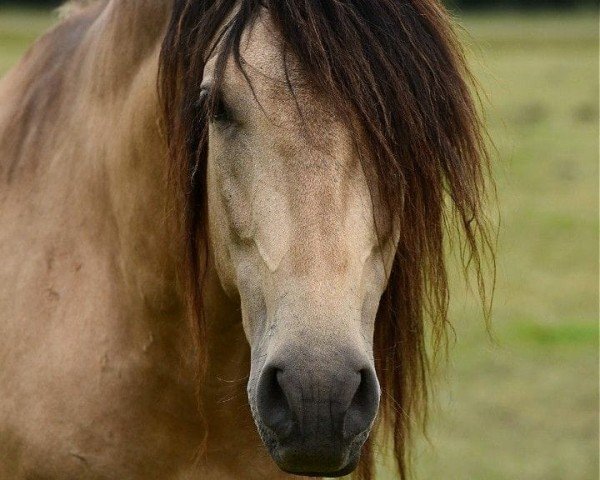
x: 222, y: 235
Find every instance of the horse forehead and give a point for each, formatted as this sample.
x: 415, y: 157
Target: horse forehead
x: 262, y: 48
x: 307, y: 119
x: 299, y: 130
x: 276, y: 77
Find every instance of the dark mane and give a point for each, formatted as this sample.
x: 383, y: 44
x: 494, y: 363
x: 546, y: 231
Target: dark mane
x: 397, y: 66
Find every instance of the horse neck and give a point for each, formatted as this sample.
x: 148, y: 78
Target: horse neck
x: 118, y: 78
x: 80, y: 142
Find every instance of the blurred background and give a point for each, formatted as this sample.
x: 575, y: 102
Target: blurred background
x: 524, y: 406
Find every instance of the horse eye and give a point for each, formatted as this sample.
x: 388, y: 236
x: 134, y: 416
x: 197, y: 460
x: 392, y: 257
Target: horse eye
x: 217, y: 110
x: 220, y: 112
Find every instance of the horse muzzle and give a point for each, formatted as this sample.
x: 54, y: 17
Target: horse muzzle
x: 315, y: 418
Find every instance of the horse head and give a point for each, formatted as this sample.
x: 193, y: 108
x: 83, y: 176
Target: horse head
x: 313, y: 148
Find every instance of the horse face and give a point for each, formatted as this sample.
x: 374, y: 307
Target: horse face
x: 293, y: 235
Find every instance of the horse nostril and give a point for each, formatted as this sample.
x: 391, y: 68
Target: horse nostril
x: 272, y: 402
x: 339, y: 408
x: 364, y: 405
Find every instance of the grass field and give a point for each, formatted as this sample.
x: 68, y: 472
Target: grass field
x: 525, y: 407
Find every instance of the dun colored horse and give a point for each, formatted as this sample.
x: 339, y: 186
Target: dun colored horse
x: 204, y: 197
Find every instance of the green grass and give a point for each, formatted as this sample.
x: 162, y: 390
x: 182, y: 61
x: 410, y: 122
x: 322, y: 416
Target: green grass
x: 525, y: 407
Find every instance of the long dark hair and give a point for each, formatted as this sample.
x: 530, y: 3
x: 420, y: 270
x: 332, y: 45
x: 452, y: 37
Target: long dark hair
x: 397, y: 67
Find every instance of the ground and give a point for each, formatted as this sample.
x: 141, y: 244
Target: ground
x: 524, y: 406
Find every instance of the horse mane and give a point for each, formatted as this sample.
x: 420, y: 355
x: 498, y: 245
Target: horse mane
x: 399, y: 68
